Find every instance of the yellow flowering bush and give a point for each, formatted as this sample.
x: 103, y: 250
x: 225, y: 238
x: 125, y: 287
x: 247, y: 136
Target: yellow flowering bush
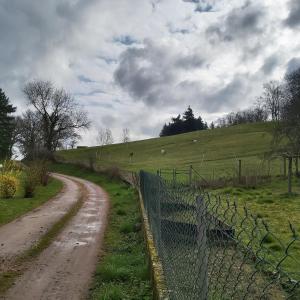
x: 8, y: 185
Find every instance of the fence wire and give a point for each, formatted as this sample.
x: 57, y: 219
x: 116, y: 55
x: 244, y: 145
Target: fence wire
x: 212, y: 249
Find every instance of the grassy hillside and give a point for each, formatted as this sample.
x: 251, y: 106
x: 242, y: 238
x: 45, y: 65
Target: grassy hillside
x: 215, y: 151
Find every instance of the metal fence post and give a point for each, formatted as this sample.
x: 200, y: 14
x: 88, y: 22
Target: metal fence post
x: 202, y: 247
x: 159, y: 213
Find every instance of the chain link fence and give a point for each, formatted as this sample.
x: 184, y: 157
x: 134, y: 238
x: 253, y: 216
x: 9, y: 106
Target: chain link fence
x: 212, y: 249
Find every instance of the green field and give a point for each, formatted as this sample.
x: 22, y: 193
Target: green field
x: 17, y: 206
x: 215, y: 152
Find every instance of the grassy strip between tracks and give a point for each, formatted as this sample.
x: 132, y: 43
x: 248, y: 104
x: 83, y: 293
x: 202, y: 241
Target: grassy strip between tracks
x: 22, y: 262
x: 122, y: 271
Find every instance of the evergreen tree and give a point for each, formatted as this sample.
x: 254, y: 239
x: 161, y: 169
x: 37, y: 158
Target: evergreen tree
x: 187, y: 123
x: 190, y: 123
x: 7, y: 125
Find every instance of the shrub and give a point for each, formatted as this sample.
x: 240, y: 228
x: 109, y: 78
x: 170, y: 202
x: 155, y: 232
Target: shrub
x: 11, y: 167
x: 35, y: 173
x: 113, y: 172
x: 8, y: 185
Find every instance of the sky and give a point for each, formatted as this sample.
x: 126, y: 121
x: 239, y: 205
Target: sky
x: 135, y: 63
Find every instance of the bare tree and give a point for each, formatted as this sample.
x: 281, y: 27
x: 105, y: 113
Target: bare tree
x: 29, y: 137
x: 125, y: 136
x: 101, y: 136
x: 289, y: 127
x: 59, y: 114
x: 104, y: 137
x: 272, y: 99
x: 109, y: 137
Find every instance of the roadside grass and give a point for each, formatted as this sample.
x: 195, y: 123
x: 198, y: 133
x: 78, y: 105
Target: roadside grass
x: 215, y: 152
x: 11, y: 209
x: 8, y: 277
x: 122, y: 271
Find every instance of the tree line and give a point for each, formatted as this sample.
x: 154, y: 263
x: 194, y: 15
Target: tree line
x: 52, y: 121
x: 54, y: 118
x: 186, y: 123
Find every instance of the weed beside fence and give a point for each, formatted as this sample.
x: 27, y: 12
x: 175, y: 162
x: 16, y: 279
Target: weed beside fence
x: 212, y: 249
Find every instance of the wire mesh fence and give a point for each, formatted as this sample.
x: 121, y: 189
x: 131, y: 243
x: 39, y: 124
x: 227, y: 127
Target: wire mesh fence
x: 212, y: 249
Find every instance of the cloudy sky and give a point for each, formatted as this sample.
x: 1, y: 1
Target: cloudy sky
x: 136, y: 63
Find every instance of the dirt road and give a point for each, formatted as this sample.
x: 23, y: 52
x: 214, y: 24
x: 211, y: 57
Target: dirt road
x: 65, y: 268
x: 24, y: 232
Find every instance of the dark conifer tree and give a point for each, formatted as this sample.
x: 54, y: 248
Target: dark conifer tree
x: 187, y: 123
x: 7, y: 125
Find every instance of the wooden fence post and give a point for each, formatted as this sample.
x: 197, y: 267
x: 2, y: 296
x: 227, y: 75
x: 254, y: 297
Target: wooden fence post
x: 190, y: 175
x: 284, y: 166
x: 290, y: 175
x: 240, y: 171
x: 174, y: 176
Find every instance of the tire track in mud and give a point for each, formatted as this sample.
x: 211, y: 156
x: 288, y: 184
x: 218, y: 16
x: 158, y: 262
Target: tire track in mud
x: 64, y: 270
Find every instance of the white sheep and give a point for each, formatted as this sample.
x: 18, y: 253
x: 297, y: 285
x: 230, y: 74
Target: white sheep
x: 163, y: 151
x: 195, y: 141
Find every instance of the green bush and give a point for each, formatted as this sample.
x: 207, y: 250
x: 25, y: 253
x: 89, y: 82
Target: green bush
x: 36, y: 173
x: 8, y: 185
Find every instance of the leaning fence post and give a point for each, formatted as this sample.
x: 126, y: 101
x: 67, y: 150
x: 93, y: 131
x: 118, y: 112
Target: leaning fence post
x: 202, y: 247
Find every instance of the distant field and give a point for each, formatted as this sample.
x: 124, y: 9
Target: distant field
x: 211, y: 152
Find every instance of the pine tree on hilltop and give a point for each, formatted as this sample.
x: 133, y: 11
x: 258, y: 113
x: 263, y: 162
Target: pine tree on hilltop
x: 6, y: 125
x: 187, y: 123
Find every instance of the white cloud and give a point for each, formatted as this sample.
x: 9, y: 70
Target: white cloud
x: 134, y: 63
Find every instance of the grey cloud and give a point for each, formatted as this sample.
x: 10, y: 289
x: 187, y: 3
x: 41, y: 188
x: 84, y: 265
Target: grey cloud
x: 293, y: 65
x: 85, y: 79
x: 125, y: 40
x: 293, y: 19
x: 148, y: 73
x: 108, y: 60
x: 201, y: 5
x: 191, y: 1
x: 177, y: 30
x: 270, y: 64
x: 91, y: 93
x: 96, y: 103
x: 240, y: 23
x: 228, y: 96
x: 108, y: 120
x: 204, y: 8
x: 190, y: 62
x: 32, y: 31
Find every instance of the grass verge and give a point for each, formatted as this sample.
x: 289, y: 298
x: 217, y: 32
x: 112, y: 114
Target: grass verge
x: 11, y: 209
x: 21, y: 263
x: 122, y: 271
